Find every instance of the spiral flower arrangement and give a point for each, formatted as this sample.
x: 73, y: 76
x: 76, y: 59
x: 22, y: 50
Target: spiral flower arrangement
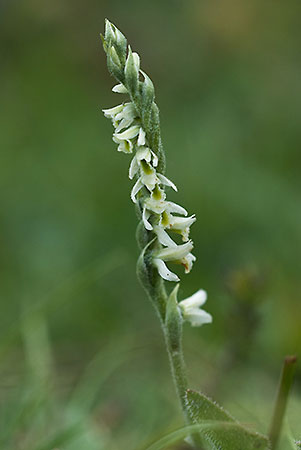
x: 137, y: 132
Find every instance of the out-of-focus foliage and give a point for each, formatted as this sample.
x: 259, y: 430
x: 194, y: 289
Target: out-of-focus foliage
x: 227, y: 77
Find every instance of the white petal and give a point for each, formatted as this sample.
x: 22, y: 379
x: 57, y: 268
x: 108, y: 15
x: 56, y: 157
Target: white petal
x: 141, y: 137
x: 125, y: 146
x: 175, y: 253
x: 143, y: 153
x: 164, y: 237
x: 145, y: 217
x: 167, y: 182
x: 180, y: 223
x: 120, y: 89
x: 133, y: 168
x: 136, y: 188
x: 157, y: 206
x: 195, y: 300
x: 112, y: 112
x: 198, y: 317
x: 128, y: 112
x: 123, y: 124
x: 149, y: 181
x: 163, y: 270
x: 173, y: 207
x: 130, y: 133
x: 148, y: 175
x: 155, y: 159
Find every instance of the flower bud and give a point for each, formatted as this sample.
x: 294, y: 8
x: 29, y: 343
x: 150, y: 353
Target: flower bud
x: 132, y: 70
x: 110, y: 35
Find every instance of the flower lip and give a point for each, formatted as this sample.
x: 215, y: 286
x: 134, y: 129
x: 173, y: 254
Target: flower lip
x: 164, y: 272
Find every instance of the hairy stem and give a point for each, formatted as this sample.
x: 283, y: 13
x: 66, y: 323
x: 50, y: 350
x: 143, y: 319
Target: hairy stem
x: 285, y: 383
x: 178, y: 370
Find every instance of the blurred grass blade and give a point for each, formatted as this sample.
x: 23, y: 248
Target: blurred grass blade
x: 61, y: 438
x: 285, y: 384
x: 61, y: 293
x: 86, y: 394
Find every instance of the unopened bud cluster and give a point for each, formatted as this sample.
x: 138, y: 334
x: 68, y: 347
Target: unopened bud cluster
x: 137, y: 132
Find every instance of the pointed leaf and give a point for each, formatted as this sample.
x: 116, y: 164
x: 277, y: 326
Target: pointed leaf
x: 173, y: 320
x: 238, y: 437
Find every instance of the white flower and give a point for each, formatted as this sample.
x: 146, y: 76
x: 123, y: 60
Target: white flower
x: 125, y: 117
x: 191, y: 311
x: 122, y: 115
x: 124, y: 139
x: 142, y: 153
x: 148, y: 175
x: 157, y: 204
x: 124, y: 145
x: 179, y: 254
x: 127, y: 112
x: 181, y: 225
x: 175, y: 253
x: 130, y: 133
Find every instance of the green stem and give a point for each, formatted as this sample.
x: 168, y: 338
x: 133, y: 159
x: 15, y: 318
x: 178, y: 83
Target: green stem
x: 178, y: 370
x: 285, y: 383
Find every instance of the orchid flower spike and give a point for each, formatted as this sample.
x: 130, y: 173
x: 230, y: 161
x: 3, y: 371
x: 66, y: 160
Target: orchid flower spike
x: 137, y: 132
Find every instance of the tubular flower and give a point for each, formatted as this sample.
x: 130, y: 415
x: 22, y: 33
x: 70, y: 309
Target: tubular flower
x: 134, y: 134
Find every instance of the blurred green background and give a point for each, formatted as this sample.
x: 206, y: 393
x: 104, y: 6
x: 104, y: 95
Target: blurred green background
x: 83, y: 365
